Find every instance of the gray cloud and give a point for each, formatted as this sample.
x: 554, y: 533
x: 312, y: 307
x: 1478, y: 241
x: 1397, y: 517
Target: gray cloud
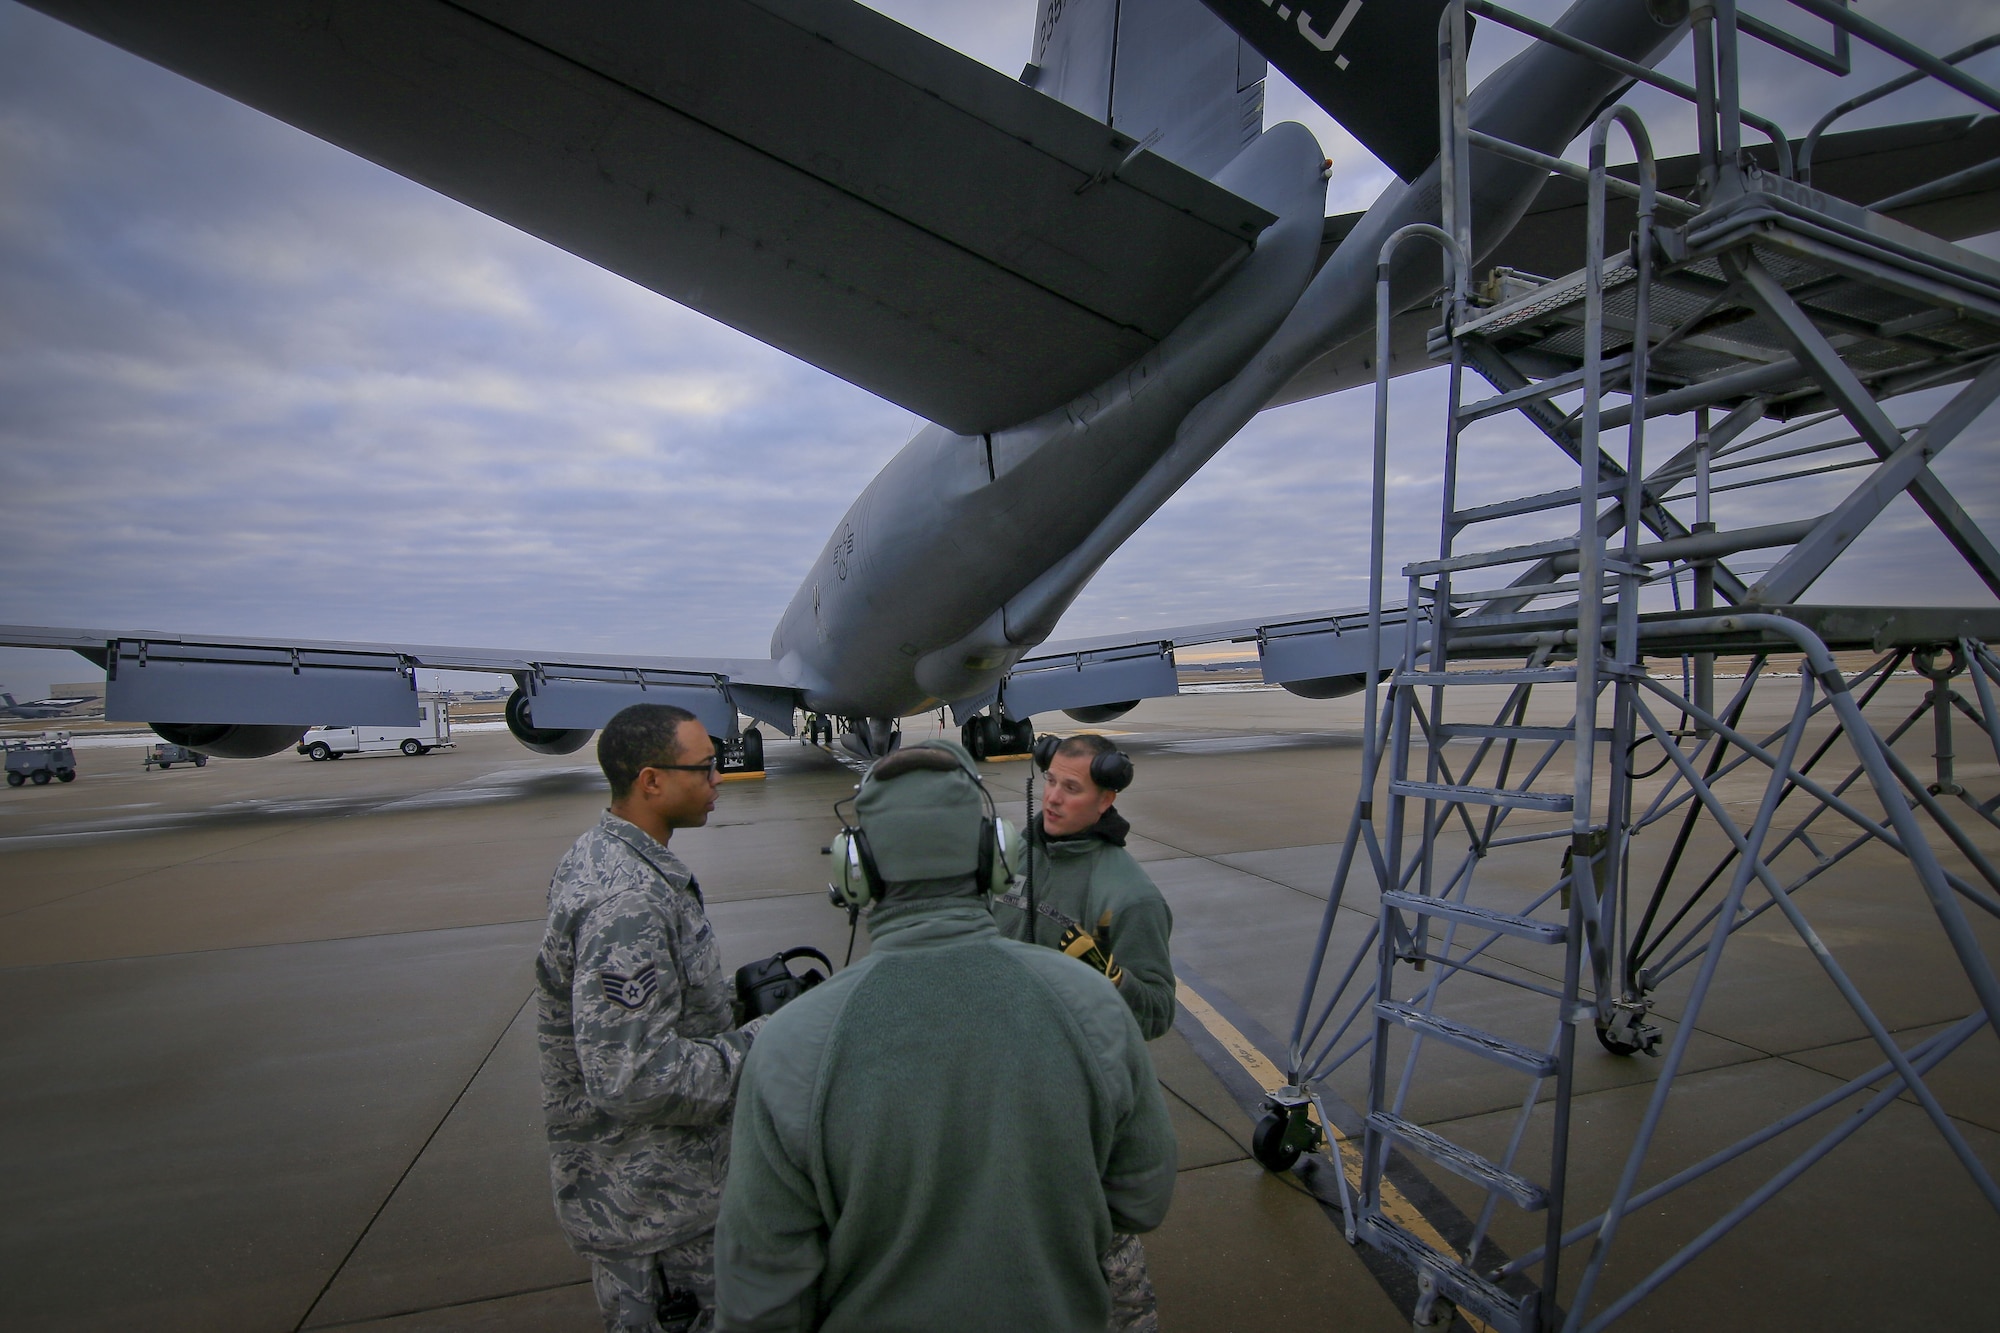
x: 252, y: 384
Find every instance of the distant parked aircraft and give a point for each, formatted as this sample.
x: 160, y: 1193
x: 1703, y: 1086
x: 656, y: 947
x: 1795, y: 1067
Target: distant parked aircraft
x: 35, y: 708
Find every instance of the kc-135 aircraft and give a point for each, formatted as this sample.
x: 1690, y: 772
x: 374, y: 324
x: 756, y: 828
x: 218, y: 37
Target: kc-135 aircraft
x: 1088, y: 279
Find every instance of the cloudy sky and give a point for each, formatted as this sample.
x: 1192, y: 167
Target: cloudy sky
x: 250, y: 384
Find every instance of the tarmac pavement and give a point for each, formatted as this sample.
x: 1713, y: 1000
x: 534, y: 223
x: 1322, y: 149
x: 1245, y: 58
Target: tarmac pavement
x: 269, y: 1058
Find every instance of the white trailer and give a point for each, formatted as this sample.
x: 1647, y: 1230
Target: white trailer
x: 432, y: 732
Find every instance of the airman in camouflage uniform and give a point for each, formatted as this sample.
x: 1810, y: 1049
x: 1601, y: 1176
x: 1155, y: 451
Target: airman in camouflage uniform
x: 639, y: 1053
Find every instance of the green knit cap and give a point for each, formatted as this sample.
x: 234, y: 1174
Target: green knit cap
x: 921, y: 808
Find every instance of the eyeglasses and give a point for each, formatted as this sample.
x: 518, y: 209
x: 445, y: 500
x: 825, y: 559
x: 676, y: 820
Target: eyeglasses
x: 705, y: 766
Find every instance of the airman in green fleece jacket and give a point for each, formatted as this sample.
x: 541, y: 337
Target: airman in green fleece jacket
x: 1091, y: 899
x: 950, y: 1132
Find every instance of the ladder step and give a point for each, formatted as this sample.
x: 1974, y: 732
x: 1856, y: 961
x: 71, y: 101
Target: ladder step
x: 1516, y: 676
x: 1515, y: 1056
x: 1485, y: 918
x: 1496, y: 731
x: 1554, y: 801
x: 1468, y: 1290
x: 1488, y: 1175
x: 1505, y: 555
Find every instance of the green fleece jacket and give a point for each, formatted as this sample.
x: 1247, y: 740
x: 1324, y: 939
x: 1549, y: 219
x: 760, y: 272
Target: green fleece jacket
x: 944, y: 1135
x: 1092, y: 880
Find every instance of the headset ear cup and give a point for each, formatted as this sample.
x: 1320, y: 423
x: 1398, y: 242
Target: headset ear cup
x: 1045, y: 750
x: 983, y: 868
x: 1003, y: 847
x: 854, y: 870
x: 1112, y: 770
x: 871, y: 876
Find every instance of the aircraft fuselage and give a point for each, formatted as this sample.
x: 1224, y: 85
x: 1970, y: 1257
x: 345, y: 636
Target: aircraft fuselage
x: 961, y: 555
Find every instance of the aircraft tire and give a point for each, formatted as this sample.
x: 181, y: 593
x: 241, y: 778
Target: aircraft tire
x: 41, y: 778
x: 1267, y: 1144
x: 411, y: 748
x: 317, y: 752
x: 1021, y: 736
x: 973, y: 734
x: 66, y: 775
x: 17, y: 779
x: 753, y: 751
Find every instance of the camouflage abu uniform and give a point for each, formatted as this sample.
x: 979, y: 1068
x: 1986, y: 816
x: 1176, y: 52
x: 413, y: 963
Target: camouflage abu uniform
x: 639, y: 1058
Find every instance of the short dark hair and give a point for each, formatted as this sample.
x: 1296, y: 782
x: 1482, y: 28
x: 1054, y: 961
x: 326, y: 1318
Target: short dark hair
x: 1086, y: 746
x: 642, y: 736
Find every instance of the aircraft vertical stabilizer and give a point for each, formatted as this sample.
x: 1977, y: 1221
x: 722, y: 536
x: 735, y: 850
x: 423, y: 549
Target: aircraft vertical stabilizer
x: 1165, y: 68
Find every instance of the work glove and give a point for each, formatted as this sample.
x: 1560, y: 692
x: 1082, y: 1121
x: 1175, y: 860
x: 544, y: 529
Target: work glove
x: 1081, y: 945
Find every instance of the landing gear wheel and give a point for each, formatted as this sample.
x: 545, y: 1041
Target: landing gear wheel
x: 975, y: 738
x: 318, y: 752
x: 1021, y: 736
x: 753, y: 751
x: 1268, y: 1146
x: 17, y: 779
x: 66, y: 775
x: 411, y: 748
x: 41, y: 778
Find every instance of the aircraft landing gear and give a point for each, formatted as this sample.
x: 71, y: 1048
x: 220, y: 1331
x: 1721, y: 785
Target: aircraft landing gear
x: 745, y: 754
x: 992, y: 734
x: 870, y: 738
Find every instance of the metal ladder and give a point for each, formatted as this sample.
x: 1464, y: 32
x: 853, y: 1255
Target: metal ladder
x: 1794, y: 264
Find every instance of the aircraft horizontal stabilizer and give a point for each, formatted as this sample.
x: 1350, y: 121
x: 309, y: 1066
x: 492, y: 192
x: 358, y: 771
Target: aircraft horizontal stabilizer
x: 1370, y: 64
x: 1860, y: 166
x: 807, y: 171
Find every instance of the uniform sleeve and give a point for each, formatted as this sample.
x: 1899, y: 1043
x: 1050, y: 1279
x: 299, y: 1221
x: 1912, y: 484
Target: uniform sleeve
x: 770, y: 1242
x: 1139, y: 935
x: 627, y: 995
x: 1139, y: 1175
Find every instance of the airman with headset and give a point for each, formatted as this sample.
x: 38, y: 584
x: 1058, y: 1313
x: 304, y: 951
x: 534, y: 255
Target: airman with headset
x: 950, y: 1132
x: 1082, y: 893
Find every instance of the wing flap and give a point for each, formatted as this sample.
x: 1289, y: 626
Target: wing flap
x: 807, y: 171
x: 1319, y: 654
x: 207, y: 679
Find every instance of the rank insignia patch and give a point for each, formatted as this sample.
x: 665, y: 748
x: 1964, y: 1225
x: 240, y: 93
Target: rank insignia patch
x: 629, y: 992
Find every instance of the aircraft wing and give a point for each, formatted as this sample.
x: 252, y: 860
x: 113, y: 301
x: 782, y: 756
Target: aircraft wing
x: 1317, y: 654
x: 272, y: 682
x: 808, y: 171
x: 1861, y: 166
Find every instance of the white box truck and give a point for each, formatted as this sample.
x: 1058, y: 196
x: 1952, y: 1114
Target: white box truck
x: 432, y: 732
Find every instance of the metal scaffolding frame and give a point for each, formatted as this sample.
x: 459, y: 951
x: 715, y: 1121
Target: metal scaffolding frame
x: 1756, y: 300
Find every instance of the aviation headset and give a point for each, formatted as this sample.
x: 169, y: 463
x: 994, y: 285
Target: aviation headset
x: 858, y: 876
x: 1110, y: 769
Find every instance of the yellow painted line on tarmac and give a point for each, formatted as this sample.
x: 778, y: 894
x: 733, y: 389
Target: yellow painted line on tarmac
x: 740, y: 777
x: 1395, y: 1204
x: 1007, y: 758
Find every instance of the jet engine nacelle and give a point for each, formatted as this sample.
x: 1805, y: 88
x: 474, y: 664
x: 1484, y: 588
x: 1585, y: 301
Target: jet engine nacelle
x: 229, y: 741
x: 542, y: 740
x: 1327, y: 687
x: 1093, y: 714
